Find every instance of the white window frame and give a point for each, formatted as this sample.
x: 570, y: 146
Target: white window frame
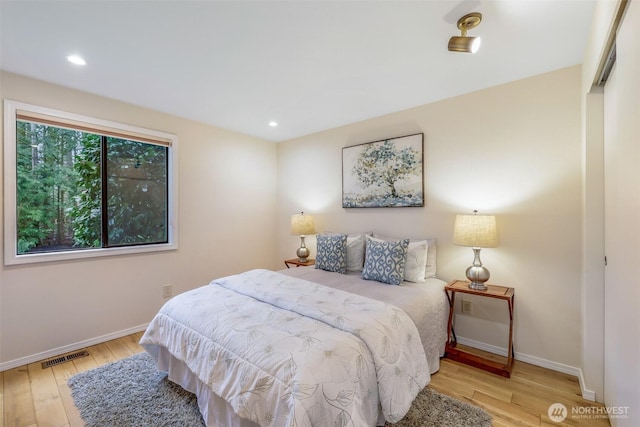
x: 10, y: 192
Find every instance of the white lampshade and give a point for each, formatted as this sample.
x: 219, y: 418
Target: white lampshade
x: 302, y: 225
x: 477, y: 231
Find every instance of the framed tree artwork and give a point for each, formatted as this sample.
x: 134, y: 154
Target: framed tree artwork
x: 386, y: 173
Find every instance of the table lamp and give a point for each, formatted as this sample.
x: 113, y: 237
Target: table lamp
x: 476, y: 231
x: 302, y: 225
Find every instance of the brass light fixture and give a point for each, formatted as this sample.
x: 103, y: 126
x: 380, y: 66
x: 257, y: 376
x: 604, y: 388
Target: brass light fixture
x: 463, y: 43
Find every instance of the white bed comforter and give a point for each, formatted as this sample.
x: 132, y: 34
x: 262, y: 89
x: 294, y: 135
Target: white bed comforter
x: 287, y: 352
x: 426, y: 303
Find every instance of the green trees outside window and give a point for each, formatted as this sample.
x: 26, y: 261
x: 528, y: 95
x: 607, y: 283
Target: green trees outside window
x: 80, y: 190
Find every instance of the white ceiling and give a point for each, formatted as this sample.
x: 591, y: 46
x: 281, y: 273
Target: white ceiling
x: 309, y: 65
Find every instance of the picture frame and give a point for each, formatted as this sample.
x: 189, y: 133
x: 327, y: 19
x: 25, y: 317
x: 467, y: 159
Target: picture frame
x: 384, y: 173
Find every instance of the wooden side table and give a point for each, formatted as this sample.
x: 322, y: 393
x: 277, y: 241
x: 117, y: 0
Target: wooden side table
x: 454, y: 353
x: 297, y: 263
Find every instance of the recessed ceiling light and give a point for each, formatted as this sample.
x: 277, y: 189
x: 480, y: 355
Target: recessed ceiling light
x: 273, y: 123
x: 77, y: 60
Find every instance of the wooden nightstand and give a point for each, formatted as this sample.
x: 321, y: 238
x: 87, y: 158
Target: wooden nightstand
x: 297, y: 263
x: 454, y: 353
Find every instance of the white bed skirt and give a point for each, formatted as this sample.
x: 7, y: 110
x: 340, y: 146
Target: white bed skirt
x: 215, y: 411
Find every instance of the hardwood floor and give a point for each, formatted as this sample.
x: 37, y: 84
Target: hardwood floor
x: 522, y: 400
x: 31, y: 396
x: 36, y: 397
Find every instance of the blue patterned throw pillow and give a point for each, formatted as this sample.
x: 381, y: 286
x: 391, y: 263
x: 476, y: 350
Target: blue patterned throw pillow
x: 385, y: 261
x: 332, y: 252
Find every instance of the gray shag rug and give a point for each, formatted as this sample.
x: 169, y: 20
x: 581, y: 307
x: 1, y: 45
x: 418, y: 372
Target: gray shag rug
x: 133, y: 393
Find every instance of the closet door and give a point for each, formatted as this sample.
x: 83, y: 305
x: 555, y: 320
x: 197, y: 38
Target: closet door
x: 622, y: 224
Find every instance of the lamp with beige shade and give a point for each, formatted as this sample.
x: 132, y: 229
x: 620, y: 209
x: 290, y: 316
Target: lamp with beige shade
x: 302, y: 225
x: 477, y: 232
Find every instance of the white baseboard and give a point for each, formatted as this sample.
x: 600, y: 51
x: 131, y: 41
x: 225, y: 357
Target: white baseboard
x: 587, y: 394
x: 4, y: 366
x: 554, y: 366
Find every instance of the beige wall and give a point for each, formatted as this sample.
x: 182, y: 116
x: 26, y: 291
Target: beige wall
x: 513, y: 151
x: 227, y: 194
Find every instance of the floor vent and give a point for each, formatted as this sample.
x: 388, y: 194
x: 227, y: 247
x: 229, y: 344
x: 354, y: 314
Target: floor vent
x: 62, y: 359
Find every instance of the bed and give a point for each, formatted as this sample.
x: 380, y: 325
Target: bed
x: 304, y: 346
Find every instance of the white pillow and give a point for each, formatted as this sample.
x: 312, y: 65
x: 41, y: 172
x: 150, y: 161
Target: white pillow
x: 355, y: 252
x: 414, y: 268
x: 430, y: 270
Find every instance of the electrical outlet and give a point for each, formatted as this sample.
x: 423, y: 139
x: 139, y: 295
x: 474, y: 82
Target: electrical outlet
x: 167, y: 291
x: 467, y: 307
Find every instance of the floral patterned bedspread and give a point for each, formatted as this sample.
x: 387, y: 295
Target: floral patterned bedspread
x: 288, y: 352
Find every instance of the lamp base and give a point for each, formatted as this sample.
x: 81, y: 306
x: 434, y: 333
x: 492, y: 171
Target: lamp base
x: 478, y: 286
x: 303, y: 254
x: 477, y: 273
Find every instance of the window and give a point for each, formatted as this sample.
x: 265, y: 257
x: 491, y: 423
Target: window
x: 77, y: 186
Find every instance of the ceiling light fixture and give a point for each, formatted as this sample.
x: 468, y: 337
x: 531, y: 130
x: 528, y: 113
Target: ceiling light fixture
x: 463, y: 43
x: 77, y: 60
x: 273, y: 124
